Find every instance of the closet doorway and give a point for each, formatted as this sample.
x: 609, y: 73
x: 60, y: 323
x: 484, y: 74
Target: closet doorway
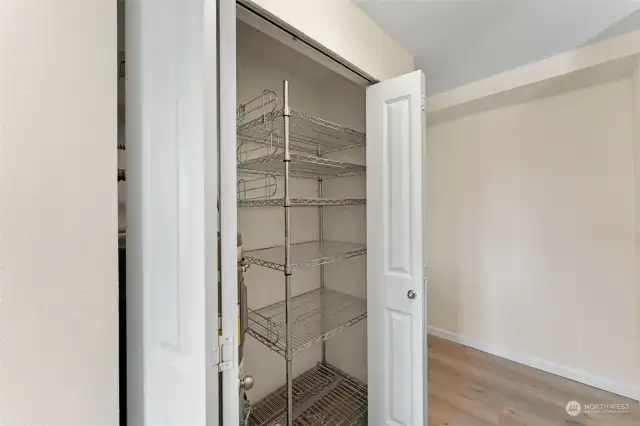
x: 195, y: 147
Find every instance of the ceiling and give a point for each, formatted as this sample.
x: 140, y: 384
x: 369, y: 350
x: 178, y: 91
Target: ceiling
x: 459, y: 41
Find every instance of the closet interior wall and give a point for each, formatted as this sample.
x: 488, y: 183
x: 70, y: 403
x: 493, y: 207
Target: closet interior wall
x: 263, y: 63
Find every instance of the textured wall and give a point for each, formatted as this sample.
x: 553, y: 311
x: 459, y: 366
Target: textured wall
x: 58, y: 215
x: 531, y: 228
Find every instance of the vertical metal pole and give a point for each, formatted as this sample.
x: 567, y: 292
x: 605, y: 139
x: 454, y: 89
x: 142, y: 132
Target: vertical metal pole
x: 287, y: 253
x: 321, y: 238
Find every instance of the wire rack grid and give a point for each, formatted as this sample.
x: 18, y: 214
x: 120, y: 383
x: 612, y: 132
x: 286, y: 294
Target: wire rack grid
x: 304, y: 166
x: 302, y: 202
x: 307, y: 133
x: 268, y: 324
x: 308, y: 254
x: 322, y: 396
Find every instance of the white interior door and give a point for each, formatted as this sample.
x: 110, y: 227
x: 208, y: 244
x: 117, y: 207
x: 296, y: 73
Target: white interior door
x: 396, y: 288
x: 172, y: 271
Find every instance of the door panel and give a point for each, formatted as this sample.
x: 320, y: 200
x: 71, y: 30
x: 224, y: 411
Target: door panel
x: 171, y: 254
x: 396, y: 291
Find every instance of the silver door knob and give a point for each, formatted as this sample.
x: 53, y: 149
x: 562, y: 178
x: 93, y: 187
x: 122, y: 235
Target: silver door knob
x: 246, y: 383
x: 411, y: 294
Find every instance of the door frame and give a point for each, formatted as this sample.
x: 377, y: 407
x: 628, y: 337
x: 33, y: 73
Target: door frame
x: 174, y: 182
x: 228, y: 212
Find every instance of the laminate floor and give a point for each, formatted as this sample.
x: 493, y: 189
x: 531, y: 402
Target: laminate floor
x: 468, y: 387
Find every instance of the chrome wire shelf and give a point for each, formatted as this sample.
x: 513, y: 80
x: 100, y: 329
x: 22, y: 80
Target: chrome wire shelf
x: 322, y: 396
x: 312, y: 253
x: 303, y: 166
x: 314, y: 202
x: 257, y: 189
x: 268, y: 325
x: 306, y: 134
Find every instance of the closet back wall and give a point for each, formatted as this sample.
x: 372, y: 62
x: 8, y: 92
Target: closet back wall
x: 531, y: 233
x: 263, y: 63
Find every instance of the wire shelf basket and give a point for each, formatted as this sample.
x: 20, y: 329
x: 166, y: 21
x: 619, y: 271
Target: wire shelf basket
x: 302, y: 202
x: 268, y: 325
x: 257, y: 189
x: 322, y: 396
x: 261, y: 120
x: 303, y: 255
x: 303, y: 166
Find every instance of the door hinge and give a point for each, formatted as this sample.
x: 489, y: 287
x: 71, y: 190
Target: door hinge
x: 424, y: 275
x: 223, y: 354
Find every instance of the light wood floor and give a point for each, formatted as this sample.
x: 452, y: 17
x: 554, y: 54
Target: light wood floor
x: 472, y: 388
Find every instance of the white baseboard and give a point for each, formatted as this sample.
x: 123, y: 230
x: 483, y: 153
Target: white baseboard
x: 618, y: 388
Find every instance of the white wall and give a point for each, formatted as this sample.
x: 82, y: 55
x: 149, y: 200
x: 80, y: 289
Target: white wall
x: 58, y: 214
x: 531, y: 225
x: 262, y: 64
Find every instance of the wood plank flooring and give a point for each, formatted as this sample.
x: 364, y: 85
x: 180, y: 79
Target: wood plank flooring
x: 472, y: 388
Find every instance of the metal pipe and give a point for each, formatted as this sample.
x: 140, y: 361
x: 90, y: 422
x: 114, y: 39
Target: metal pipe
x: 287, y: 253
x: 321, y: 239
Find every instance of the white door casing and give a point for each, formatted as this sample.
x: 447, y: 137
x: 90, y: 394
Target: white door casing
x: 396, y: 290
x: 228, y: 211
x: 171, y: 212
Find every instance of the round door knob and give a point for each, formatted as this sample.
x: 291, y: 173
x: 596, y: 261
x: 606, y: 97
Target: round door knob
x: 411, y: 294
x: 246, y: 383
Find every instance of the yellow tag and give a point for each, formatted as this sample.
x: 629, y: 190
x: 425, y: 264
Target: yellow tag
x: 220, y: 326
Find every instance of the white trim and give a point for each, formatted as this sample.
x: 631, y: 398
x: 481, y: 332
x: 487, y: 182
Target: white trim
x: 210, y: 150
x: 636, y: 168
x: 595, y: 63
x: 618, y: 388
x: 228, y: 210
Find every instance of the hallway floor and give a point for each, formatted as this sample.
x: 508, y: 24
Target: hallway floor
x: 468, y: 387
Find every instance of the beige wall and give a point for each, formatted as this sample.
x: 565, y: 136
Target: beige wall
x: 531, y: 225
x: 58, y: 217
x: 341, y: 27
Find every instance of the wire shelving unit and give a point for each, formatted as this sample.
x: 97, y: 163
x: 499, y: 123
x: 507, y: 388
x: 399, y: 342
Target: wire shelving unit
x: 281, y: 142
